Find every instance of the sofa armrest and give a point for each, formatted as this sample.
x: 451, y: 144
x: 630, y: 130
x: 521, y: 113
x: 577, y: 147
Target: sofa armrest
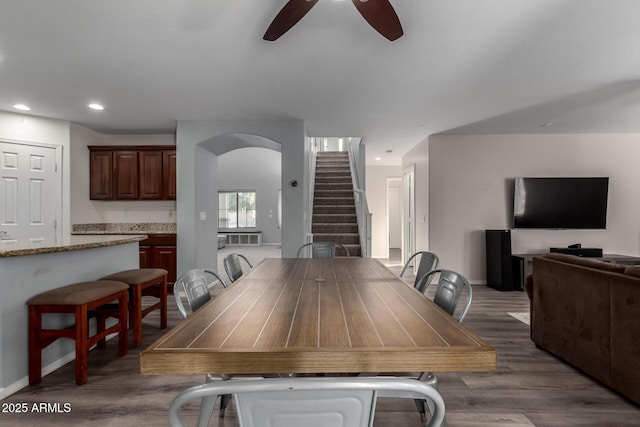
x: 528, y: 285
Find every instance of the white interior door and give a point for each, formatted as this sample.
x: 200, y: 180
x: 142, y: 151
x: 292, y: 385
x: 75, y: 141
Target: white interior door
x: 394, y: 212
x: 30, y: 188
x: 408, y: 213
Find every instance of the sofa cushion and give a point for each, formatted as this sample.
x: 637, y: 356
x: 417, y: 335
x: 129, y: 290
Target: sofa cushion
x: 633, y: 271
x: 588, y: 262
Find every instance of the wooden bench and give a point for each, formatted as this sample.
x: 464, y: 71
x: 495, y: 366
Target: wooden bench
x: 143, y: 282
x: 83, y: 300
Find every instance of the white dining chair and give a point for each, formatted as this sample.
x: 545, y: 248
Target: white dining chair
x: 310, y: 402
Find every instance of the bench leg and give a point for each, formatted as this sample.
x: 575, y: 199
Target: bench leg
x: 123, y: 333
x: 135, y: 313
x: 35, y: 351
x: 82, y: 352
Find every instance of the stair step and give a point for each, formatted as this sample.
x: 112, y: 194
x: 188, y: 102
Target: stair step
x: 334, y: 209
x: 332, y: 154
x: 332, y: 159
x: 346, y: 179
x: 335, y: 218
x: 334, y: 228
x: 334, y: 201
x: 333, y: 186
x: 354, y: 251
x: 339, y: 162
x: 333, y: 193
x: 333, y: 175
x: 333, y: 170
x: 344, y: 238
x: 331, y: 165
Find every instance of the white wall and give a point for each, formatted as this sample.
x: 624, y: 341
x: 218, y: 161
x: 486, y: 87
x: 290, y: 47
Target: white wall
x: 377, y: 200
x: 197, y: 145
x: 470, y: 191
x: 256, y: 169
x: 27, y: 128
x: 419, y: 157
x: 86, y: 211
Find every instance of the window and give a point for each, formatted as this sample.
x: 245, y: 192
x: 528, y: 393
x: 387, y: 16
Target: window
x: 236, y: 209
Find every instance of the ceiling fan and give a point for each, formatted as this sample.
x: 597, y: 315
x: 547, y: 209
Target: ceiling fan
x: 378, y: 13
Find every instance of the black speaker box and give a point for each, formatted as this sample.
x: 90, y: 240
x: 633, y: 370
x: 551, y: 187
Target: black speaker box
x: 585, y: 252
x: 501, y: 274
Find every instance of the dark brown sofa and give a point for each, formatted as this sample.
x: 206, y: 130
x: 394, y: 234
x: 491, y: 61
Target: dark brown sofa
x: 587, y: 312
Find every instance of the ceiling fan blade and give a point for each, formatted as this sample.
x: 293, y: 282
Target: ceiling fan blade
x: 381, y: 16
x: 288, y: 16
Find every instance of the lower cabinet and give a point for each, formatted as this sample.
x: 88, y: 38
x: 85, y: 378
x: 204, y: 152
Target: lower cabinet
x: 159, y: 251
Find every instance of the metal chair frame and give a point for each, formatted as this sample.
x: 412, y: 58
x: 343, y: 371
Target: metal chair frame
x: 449, y: 289
x: 233, y: 267
x: 195, y: 286
x: 428, y: 261
x: 447, y: 294
x: 309, y: 401
x: 322, y: 249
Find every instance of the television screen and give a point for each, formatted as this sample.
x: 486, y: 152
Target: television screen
x: 579, y: 203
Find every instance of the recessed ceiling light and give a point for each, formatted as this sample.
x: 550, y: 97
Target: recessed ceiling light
x: 21, y: 107
x: 378, y: 158
x: 95, y: 106
x: 546, y: 125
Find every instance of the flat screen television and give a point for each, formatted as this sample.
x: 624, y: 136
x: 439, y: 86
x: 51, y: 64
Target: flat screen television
x: 559, y: 203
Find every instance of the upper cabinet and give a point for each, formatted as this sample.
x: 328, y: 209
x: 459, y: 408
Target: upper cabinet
x: 132, y: 172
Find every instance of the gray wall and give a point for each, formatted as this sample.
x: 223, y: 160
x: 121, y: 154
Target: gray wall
x: 469, y: 192
x: 258, y: 169
x: 199, y: 143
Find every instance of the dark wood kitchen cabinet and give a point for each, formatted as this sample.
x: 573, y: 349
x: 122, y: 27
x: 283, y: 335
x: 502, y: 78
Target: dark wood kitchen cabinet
x: 150, y: 167
x: 132, y: 172
x: 159, y: 251
x: 125, y: 175
x: 101, y: 176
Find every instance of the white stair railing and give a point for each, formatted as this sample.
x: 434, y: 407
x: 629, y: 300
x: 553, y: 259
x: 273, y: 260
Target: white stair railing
x: 362, y: 209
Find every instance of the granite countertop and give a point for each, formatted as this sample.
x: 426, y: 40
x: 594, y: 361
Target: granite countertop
x: 69, y: 243
x: 124, y: 228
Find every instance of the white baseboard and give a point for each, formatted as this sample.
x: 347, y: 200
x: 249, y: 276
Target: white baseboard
x: 46, y: 370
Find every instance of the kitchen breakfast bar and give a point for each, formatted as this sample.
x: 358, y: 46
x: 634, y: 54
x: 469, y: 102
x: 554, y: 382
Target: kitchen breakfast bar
x: 27, y: 270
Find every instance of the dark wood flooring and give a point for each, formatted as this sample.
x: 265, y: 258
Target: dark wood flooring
x: 529, y: 388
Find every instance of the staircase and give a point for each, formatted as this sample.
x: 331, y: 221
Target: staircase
x: 334, y: 210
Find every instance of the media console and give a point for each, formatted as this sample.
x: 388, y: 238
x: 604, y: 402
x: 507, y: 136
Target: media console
x: 506, y: 271
x: 579, y: 251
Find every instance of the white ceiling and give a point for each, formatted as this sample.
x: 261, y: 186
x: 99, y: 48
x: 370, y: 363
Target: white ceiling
x: 463, y: 66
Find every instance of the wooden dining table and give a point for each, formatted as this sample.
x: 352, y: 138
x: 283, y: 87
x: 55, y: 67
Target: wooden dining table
x: 341, y: 315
